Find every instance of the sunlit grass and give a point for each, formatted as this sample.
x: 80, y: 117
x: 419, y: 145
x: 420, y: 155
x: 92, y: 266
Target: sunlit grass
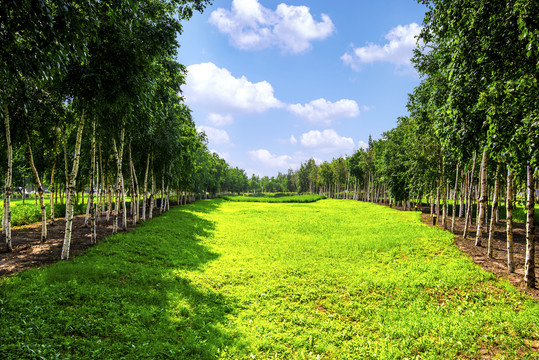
x: 333, y: 279
x: 265, y: 198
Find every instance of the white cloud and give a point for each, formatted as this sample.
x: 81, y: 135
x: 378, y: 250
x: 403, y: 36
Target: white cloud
x: 398, y: 50
x: 326, y: 141
x: 362, y: 145
x: 220, y: 120
x: 215, y: 136
x: 323, y: 111
x: 216, y: 90
x: 265, y: 158
x: 293, y: 140
x: 252, y: 26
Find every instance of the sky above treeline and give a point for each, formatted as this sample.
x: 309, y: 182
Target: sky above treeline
x: 273, y: 84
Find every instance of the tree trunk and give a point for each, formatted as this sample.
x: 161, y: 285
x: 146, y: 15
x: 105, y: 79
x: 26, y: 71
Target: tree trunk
x: 498, y: 208
x: 53, y: 189
x: 66, y: 186
x: 152, y: 193
x: 444, y: 197
x: 120, y: 193
x: 455, y: 201
x: 103, y: 187
x: 431, y: 204
x: 461, y: 198
x: 509, y: 209
x: 87, y: 213
x: 97, y: 187
x: 135, y: 196
x: 167, y: 199
x: 109, y: 198
x: 438, y: 203
x: 71, y: 189
x: 482, y: 199
x: 92, y: 187
x: 162, y: 207
x: 494, y: 210
x: 39, y: 190
x: 131, y: 183
x: 6, y: 221
x: 529, y: 269
x: 145, y: 190
x: 124, y: 207
x: 467, y: 219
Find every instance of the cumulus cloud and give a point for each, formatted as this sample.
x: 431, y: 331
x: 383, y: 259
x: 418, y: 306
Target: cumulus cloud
x: 250, y: 25
x: 219, y: 120
x: 398, y: 50
x: 217, y: 90
x: 215, y: 136
x: 324, y: 112
x: 265, y: 158
x: 326, y: 141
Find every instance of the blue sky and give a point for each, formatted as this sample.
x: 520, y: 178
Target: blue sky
x: 275, y: 83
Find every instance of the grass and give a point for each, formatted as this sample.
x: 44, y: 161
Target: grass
x: 333, y: 279
x: 30, y: 212
x: 265, y: 198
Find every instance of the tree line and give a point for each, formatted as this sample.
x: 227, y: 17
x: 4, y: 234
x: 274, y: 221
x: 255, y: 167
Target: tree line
x: 91, y: 101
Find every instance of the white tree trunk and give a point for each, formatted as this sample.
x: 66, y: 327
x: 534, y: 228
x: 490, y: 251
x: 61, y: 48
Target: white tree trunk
x: 494, y: 210
x: 482, y: 200
x: 71, y: 191
x: 145, y: 190
x: 509, y: 209
x: 467, y: 220
x: 6, y: 221
x: 92, y: 188
x: 39, y: 190
x: 152, y: 195
x: 120, y: 193
x: 52, y: 188
x: 162, y: 207
x: 136, y: 195
x: 455, y: 201
x: 529, y: 268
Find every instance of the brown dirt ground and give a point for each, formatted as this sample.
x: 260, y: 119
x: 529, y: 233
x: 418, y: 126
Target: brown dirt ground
x: 29, y: 252
x: 498, y: 263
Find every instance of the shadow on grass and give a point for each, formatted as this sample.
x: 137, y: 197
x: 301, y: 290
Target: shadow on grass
x: 128, y: 297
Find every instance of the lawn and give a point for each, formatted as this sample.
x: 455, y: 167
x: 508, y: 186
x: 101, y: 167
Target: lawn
x: 268, y: 198
x: 334, y: 279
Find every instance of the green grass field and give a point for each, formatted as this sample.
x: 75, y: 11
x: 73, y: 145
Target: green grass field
x: 265, y: 198
x: 333, y: 279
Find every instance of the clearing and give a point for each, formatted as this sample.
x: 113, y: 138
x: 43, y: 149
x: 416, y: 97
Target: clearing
x: 333, y: 279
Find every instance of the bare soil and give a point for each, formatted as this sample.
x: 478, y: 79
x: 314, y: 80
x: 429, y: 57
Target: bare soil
x: 28, y: 251
x: 498, y: 263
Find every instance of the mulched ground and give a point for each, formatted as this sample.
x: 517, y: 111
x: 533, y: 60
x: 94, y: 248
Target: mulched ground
x: 29, y: 252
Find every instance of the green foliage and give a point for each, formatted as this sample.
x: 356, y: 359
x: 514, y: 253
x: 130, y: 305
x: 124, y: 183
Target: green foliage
x: 30, y: 212
x: 277, y: 198
x: 234, y: 280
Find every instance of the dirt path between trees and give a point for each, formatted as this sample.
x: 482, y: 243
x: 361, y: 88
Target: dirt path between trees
x: 498, y: 263
x: 29, y: 252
